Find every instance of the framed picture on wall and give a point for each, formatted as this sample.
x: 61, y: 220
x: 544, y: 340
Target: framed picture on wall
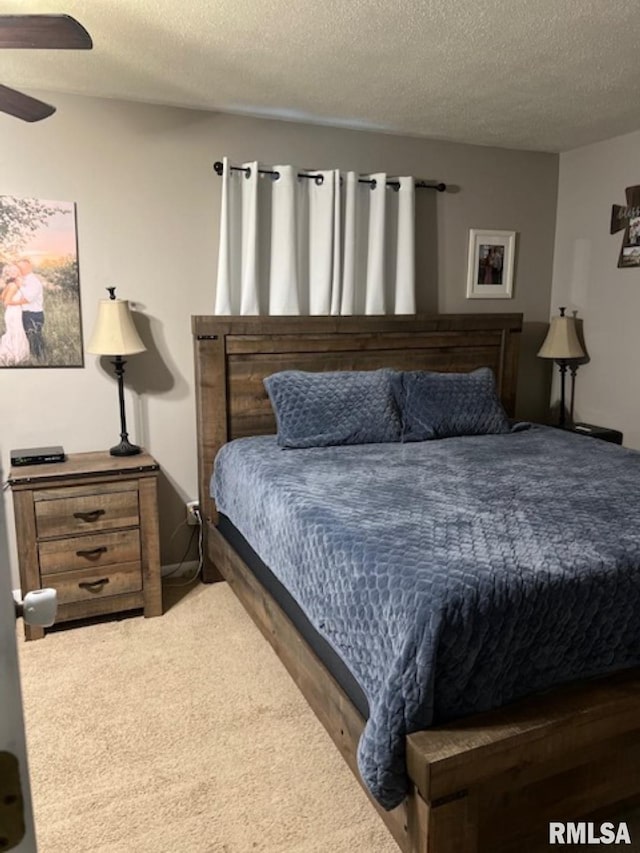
x: 627, y: 219
x: 491, y: 260
x: 40, y: 322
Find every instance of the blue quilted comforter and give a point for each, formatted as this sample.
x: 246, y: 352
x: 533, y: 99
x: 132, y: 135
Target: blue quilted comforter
x: 452, y: 576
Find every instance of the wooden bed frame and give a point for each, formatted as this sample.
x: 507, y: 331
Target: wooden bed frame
x: 488, y: 783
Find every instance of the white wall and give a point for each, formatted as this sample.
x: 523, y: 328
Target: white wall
x: 147, y: 202
x: 586, y: 278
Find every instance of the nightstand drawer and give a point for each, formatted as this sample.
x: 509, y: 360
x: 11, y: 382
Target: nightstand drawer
x: 82, y: 552
x: 83, y: 509
x: 92, y: 584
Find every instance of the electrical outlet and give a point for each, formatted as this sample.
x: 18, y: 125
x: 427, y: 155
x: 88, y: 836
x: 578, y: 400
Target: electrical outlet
x: 193, y: 512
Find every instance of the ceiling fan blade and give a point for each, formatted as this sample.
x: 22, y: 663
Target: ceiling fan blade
x: 43, y: 31
x: 22, y: 106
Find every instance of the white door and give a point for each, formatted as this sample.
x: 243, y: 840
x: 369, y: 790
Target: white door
x: 12, y: 739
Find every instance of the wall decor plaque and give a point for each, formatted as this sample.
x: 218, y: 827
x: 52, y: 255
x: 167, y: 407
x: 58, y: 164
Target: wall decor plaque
x: 628, y: 219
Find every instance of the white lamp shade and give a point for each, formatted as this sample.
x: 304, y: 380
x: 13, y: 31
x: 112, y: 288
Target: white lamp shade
x: 115, y: 332
x: 562, y: 340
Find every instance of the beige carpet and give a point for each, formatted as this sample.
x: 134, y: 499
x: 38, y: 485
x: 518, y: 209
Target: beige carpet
x: 183, y: 734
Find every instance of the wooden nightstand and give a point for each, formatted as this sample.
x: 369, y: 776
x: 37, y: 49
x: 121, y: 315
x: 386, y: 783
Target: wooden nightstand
x: 89, y: 528
x: 603, y: 433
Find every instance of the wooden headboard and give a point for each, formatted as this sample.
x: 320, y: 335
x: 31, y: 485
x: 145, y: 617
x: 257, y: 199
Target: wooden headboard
x: 234, y: 354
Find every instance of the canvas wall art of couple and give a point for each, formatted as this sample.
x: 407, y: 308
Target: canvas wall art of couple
x: 39, y: 284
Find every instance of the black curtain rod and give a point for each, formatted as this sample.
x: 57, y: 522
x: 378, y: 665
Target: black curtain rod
x: 420, y: 185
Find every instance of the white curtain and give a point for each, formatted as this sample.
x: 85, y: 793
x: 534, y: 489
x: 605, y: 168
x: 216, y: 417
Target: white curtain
x: 325, y: 245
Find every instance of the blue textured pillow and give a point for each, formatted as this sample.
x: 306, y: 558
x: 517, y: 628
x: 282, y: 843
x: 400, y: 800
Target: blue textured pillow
x: 338, y: 407
x: 443, y: 405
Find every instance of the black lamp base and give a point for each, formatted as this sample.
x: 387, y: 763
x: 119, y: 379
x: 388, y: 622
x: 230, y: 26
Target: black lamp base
x: 125, y: 448
x: 562, y: 419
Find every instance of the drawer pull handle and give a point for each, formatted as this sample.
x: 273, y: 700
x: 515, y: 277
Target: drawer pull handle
x: 91, y: 553
x: 92, y: 515
x: 94, y: 586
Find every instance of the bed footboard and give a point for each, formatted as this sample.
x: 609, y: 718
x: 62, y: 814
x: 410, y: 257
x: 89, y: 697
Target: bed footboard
x: 506, y: 774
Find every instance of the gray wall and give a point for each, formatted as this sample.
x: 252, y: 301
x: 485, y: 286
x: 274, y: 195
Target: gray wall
x: 148, y: 201
x: 586, y: 279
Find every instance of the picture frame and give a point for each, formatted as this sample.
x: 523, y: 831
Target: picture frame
x: 40, y: 316
x: 627, y: 219
x: 491, y: 264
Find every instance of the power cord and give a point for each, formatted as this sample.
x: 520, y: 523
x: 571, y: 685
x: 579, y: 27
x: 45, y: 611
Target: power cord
x: 187, y: 549
x: 199, y: 531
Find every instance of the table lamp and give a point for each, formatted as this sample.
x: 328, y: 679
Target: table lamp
x: 562, y: 345
x: 115, y: 334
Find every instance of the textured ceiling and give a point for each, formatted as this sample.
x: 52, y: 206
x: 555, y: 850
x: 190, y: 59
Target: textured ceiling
x: 539, y: 74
